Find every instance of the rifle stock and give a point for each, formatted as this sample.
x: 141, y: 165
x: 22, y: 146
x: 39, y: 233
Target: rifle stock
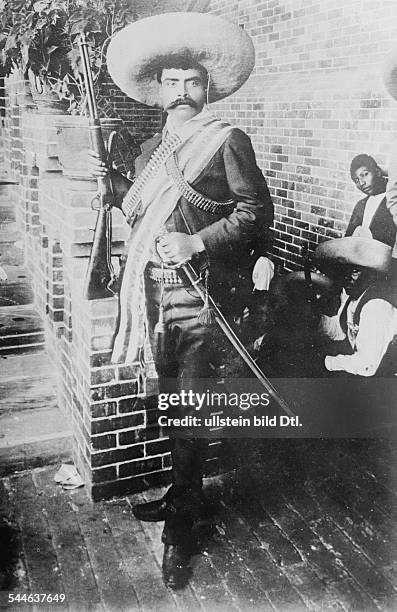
x: 98, y: 275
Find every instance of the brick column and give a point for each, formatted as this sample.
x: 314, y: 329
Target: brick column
x: 117, y: 444
x: 111, y: 408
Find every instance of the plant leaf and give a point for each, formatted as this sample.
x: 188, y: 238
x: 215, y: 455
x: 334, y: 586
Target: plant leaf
x: 51, y: 49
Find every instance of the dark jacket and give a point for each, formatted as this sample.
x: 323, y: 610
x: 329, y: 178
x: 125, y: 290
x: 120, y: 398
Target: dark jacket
x: 231, y: 174
x: 382, y: 224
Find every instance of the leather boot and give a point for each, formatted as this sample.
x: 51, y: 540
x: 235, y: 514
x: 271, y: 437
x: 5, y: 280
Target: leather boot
x: 158, y: 510
x: 176, y: 571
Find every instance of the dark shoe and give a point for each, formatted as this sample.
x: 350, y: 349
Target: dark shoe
x: 152, y: 511
x: 175, y: 566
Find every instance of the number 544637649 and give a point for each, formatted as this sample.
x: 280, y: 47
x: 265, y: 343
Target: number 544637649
x: 36, y: 597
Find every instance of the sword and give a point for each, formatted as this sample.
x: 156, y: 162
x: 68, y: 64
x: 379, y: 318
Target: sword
x: 195, y: 281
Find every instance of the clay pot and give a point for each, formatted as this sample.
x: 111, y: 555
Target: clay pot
x: 24, y: 95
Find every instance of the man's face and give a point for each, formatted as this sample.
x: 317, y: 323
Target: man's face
x: 182, y: 92
x: 356, y: 280
x: 367, y: 181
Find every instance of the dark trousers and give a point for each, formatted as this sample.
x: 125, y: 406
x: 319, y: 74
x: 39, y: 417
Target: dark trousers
x: 184, y: 364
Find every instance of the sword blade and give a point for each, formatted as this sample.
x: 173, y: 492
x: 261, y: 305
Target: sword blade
x: 235, y: 341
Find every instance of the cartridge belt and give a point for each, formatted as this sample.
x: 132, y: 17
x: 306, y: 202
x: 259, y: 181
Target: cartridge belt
x: 193, y: 196
x: 166, y: 275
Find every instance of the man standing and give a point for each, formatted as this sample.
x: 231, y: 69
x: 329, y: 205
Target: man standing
x: 198, y: 197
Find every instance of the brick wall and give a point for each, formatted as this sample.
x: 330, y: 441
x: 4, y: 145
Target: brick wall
x: 314, y: 101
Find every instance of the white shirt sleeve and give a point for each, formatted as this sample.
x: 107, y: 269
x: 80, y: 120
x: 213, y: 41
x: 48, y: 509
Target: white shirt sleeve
x: 376, y: 330
x: 330, y: 327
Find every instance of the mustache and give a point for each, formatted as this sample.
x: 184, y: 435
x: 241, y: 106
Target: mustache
x: 180, y: 101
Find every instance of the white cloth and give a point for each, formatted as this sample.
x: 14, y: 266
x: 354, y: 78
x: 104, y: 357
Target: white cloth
x: 203, y: 115
x: 371, y: 206
x: 369, y: 340
x: 262, y: 273
x: 330, y: 326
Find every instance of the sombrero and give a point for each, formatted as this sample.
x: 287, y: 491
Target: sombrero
x: 136, y: 52
x: 320, y: 282
x: 294, y: 284
x: 390, y: 73
x: 351, y: 250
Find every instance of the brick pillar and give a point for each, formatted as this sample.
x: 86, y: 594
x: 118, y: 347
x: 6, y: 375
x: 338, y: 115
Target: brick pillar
x: 112, y: 409
x: 117, y: 443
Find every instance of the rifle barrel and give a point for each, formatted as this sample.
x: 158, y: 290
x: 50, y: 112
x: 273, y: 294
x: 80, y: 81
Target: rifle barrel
x: 88, y: 80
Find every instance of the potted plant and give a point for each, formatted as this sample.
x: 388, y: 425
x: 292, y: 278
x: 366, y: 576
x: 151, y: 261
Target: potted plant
x: 40, y: 38
x: 13, y: 24
x: 44, y: 49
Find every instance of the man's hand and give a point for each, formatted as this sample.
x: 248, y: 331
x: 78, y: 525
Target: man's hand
x: 177, y: 248
x: 97, y: 168
x: 100, y: 169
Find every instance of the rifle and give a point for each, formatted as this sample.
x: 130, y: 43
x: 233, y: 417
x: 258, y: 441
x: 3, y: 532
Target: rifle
x: 100, y: 273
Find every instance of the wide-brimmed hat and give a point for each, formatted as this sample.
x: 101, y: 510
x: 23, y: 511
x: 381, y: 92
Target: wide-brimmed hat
x: 390, y: 73
x: 320, y: 282
x: 355, y: 251
x: 136, y: 53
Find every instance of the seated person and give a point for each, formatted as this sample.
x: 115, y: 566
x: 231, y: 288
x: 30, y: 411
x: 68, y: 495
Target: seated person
x: 366, y: 322
x: 370, y: 217
x: 289, y: 327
